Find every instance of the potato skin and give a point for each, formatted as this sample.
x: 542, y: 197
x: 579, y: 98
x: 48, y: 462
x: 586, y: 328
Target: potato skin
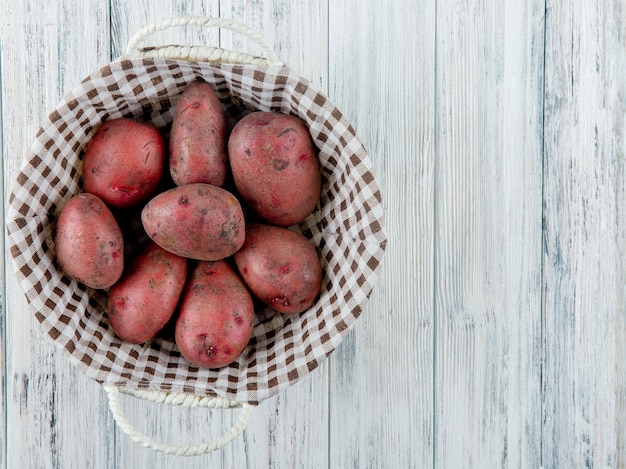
x: 280, y: 267
x: 198, y: 221
x: 89, y: 243
x: 124, y: 162
x: 216, y: 316
x: 275, y: 166
x: 198, y: 138
x: 144, y: 299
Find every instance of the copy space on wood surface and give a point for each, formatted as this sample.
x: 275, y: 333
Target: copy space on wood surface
x: 496, y: 334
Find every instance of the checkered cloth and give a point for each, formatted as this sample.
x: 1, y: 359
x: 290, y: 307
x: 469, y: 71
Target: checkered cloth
x: 347, y: 227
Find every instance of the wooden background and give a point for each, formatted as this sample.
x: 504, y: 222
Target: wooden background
x: 496, y: 335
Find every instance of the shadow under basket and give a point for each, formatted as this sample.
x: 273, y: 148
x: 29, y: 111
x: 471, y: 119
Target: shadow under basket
x: 347, y: 228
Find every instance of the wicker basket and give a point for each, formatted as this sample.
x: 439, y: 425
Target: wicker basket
x: 347, y: 228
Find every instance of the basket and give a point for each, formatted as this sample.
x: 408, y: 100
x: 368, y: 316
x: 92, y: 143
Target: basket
x: 347, y: 228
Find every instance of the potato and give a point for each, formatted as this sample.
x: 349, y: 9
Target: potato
x: 275, y: 166
x: 88, y: 242
x: 124, y: 162
x: 216, y: 316
x: 144, y: 299
x: 198, y: 138
x: 280, y: 267
x: 198, y: 221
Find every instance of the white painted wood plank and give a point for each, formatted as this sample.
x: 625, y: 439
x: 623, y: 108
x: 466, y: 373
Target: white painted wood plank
x: 381, y: 75
x: 584, y: 409
x: 3, y: 271
x: 127, y: 17
x: 448, y: 103
x: 297, y: 30
x: 169, y: 425
x: 55, y: 417
x: 488, y: 234
x: 292, y: 429
x: 279, y: 433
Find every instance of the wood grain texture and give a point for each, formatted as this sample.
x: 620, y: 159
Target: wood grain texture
x: 279, y: 433
x: 3, y: 308
x: 297, y: 30
x: 47, y: 411
x: 169, y: 425
x: 381, y: 75
x: 128, y: 16
x: 584, y: 409
x: 488, y: 234
x: 292, y: 429
x: 496, y: 335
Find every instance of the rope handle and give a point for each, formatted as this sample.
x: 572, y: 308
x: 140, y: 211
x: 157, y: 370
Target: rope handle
x: 180, y: 399
x: 202, y: 53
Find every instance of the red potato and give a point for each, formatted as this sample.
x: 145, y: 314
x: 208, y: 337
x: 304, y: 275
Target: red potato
x: 89, y: 243
x: 144, y: 299
x: 280, y: 267
x: 198, y: 138
x: 198, y: 221
x: 216, y: 316
x: 275, y: 166
x: 124, y: 162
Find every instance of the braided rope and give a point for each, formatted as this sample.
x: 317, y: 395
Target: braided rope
x: 202, y: 53
x: 181, y: 399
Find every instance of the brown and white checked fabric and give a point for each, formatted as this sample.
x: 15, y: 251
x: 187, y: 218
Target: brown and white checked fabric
x: 347, y: 227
